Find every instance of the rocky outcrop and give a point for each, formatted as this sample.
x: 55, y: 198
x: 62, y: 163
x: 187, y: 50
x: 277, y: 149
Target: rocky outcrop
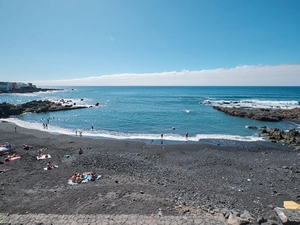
x: 7, y: 110
x: 291, y: 137
x: 288, y: 216
x: 274, y: 115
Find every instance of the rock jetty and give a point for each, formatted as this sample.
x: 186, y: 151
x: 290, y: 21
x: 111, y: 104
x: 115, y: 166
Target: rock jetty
x: 274, y: 115
x: 36, y: 106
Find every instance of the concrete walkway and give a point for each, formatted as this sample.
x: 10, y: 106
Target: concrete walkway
x: 99, y: 219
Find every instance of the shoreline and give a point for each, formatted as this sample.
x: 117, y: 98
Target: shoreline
x: 150, y: 140
x: 141, y: 178
x: 159, y: 142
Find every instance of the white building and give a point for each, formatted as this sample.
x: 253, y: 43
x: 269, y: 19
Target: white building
x: 8, y: 86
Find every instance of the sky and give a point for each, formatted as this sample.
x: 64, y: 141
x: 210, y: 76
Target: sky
x: 150, y: 42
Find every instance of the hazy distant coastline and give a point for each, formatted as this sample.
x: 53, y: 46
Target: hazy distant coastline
x: 19, y: 87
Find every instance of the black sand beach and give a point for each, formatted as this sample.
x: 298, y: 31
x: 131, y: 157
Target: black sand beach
x: 140, y: 178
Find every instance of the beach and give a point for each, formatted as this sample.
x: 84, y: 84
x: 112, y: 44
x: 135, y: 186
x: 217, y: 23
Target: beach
x: 141, y: 178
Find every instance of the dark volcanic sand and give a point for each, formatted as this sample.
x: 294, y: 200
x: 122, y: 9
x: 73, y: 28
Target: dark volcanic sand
x: 140, y: 178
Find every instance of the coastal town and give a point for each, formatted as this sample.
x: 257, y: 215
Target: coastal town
x: 20, y: 87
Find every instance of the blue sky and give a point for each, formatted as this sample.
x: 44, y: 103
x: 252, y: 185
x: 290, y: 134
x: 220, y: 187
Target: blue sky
x: 150, y: 42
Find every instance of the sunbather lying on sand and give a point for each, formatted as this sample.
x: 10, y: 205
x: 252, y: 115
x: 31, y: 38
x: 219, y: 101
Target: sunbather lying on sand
x: 40, y: 152
x: 3, y: 153
x: 49, y: 166
x: 6, y: 145
x: 26, y: 147
x: 10, y: 157
x: 92, y: 175
x: 77, y: 178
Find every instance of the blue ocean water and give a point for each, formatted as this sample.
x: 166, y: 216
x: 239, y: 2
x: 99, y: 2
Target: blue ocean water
x: 146, y: 112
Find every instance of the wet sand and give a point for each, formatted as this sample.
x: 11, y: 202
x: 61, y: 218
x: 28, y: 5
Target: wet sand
x: 141, y: 178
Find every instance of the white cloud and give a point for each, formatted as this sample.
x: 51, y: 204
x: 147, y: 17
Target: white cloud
x: 259, y: 75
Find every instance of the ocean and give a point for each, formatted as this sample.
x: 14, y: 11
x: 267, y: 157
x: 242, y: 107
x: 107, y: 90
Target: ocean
x: 144, y: 113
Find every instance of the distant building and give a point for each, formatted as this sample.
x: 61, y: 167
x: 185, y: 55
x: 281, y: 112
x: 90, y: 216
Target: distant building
x: 9, y: 86
x: 5, y: 86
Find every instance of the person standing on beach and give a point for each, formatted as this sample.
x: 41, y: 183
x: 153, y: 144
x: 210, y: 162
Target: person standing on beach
x: 15, y: 129
x: 161, y: 138
x: 187, y: 135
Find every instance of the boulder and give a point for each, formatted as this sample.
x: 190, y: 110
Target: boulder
x: 252, y: 127
x: 235, y: 220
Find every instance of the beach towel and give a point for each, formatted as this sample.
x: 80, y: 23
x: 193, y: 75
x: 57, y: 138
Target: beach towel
x: 72, y: 183
x: 291, y: 205
x: 86, y: 179
x: 4, y: 148
x: 53, y: 167
x: 45, y: 156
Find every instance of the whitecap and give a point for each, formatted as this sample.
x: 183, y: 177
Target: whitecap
x: 254, y: 103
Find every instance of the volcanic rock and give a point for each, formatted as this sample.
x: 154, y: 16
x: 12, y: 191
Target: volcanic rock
x: 7, y: 110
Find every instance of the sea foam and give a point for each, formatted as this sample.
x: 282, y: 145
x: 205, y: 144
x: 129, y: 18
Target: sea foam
x: 121, y: 135
x: 253, y: 103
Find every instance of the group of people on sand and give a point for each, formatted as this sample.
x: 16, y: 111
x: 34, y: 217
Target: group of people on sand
x: 49, y: 165
x: 5, y: 151
x: 76, y: 178
x: 79, y: 177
